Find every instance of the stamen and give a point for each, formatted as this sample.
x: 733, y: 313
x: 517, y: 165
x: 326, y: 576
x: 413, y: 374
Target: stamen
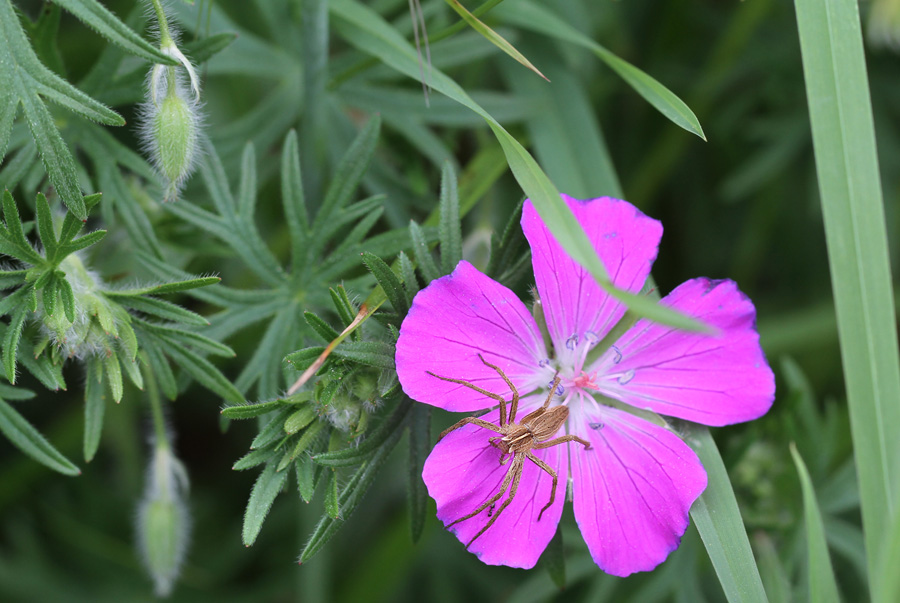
x: 618, y: 352
x: 596, y: 426
x: 626, y: 377
x: 544, y: 363
x: 572, y: 342
x: 591, y: 337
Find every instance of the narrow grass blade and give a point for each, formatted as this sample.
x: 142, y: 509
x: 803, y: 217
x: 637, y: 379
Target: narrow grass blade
x: 534, y: 16
x: 492, y: 36
x: 837, y: 91
x: 718, y: 519
x: 822, y: 586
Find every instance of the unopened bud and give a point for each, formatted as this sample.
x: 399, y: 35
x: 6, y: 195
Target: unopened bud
x: 163, y: 523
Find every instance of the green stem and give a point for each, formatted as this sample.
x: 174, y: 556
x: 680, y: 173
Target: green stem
x: 153, y: 396
x: 165, y: 38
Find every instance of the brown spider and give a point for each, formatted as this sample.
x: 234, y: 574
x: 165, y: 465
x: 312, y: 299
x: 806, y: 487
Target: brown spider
x: 517, y: 439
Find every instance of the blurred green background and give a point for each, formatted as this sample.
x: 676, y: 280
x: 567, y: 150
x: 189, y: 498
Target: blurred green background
x: 743, y: 205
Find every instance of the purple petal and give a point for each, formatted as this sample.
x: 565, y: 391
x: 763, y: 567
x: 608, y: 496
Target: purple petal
x: 625, y: 239
x: 711, y: 379
x: 454, y: 319
x: 463, y: 471
x: 632, y: 489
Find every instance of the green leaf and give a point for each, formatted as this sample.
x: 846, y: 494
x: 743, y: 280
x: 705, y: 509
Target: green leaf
x: 162, y: 309
x: 718, y: 519
x: 255, y: 458
x: 388, y: 281
x: 374, y: 441
x: 15, y: 233
x: 95, y: 15
x: 249, y: 411
x: 11, y: 342
x: 822, y: 585
x: 321, y: 328
x: 45, y: 226
x: 267, y: 487
x: 410, y: 281
x: 424, y: 260
x: 419, y: 447
x: 27, y: 439
x: 165, y: 287
x: 293, y: 200
x: 378, y: 354
x: 307, y: 473
x: 94, y: 407
x: 554, y: 559
x: 113, y: 371
x: 536, y: 17
x: 492, y: 36
x: 203, y: 371
x: 302, y: 417
x: 450, y: 229
x: 840, y: 108
x: 332, y: 504
x: 349, y: 499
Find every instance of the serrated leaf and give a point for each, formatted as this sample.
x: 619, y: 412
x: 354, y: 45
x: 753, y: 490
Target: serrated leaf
x: 29, y: 440
x: 388, y: 281
x: 267, y: 487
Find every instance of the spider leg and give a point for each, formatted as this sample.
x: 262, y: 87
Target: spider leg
x: 514, y: 403
x: 495, y: 498
x: 560, y: 440
x: 485, y: 392
x: 549, y: 470
x: 517, y: 469
x: 556, y: 381
x: 473, y: 421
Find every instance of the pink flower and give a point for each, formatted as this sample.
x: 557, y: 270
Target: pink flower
x: 633, y: 488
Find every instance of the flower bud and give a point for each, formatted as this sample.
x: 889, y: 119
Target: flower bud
x: 163, y: 523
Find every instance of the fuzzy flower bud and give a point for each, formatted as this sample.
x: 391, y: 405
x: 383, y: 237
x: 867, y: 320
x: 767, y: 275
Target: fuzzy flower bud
x: 97, y: 322
x: 170, y: 116
x: 163, y: 523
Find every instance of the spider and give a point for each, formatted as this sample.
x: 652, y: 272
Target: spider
x: 516, y: 439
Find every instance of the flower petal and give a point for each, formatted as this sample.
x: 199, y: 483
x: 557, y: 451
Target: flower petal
x: 711, y: 379
x: 463, y: 471
x: 632, y: 489
x: 574, y: 304
x: 451, y: 322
